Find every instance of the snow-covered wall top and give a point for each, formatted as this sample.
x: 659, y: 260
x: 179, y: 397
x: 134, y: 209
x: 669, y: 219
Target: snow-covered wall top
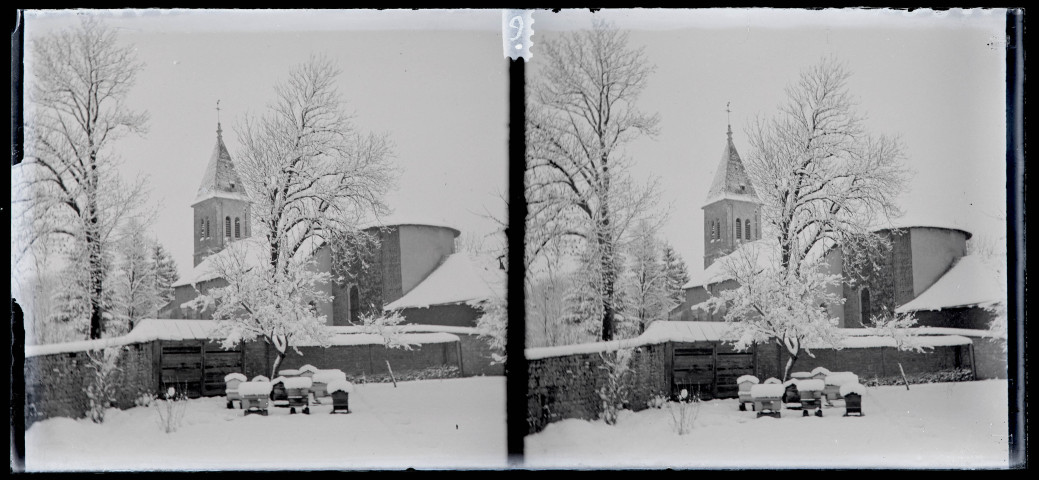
x: 971, y: 281
x: 678, y: 331
x: 460, y: 278
x: 411, y: 328
x: 163, y: 329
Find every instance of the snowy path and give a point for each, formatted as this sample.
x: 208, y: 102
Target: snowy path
x: 948, y: 425
x: 422, y: 424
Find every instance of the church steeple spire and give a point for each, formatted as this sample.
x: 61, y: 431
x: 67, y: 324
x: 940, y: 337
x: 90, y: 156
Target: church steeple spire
x: 732, y: 212
x: 221, y: 205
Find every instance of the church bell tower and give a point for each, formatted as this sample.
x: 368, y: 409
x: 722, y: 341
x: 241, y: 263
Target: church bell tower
x: 221, y: 205
x: 732, y: 211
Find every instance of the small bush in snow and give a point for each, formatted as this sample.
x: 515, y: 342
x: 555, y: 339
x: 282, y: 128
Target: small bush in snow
x: 614, y: 393
x: 684, y: 412
x: 144, y: 400
x: 428, y: 373
x: 101, y: 390
x: 657, y: 401
x: 171, y: 406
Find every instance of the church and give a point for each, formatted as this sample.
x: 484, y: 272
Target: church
x: 414, y: 269
x: 927, y: 271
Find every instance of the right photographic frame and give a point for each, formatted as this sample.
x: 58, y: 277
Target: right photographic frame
x: 762, y: 238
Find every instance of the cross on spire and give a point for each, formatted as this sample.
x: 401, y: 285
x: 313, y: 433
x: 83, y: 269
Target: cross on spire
x: 218, y: 130
x: 728, y: 120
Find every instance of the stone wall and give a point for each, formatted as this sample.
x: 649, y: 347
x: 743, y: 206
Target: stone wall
x: 56, y: 385
x: 990, y: 358
x: 567, y: 386
x: 866, y: 362
x: 361, y: 360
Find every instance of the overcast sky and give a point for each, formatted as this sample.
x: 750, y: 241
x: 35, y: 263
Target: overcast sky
x: 436, y: 82
x: 935, y: 79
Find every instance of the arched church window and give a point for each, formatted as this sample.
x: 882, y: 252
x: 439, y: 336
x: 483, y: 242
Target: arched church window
x: 202, y: 228
x: 739, y: 228
x: 355, y: 304
x: 864, y: 306
x: 237, y: 228
x: 227, y: 227
x: 746, y: 233
x: 208, y: 232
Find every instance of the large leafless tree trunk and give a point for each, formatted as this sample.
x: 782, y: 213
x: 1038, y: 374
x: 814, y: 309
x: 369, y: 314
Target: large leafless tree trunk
x: 80, y: 80
x: 581, y: 112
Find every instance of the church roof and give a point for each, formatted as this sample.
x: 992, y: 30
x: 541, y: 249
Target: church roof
x: 460, y: 278
x: 730, y: 179
x: 972, y: 281
x: 221, y: 178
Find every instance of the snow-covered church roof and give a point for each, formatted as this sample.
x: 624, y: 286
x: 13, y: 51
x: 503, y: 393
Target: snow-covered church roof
x: 460, y: 278
x: 763, y: 253
x: 971, y: 281
x: 252, y: 251
x: 220, y: 179
x: 731, y: 180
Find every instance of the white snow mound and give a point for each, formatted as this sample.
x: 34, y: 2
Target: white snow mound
x: 340, y: 386
x: 234, y: 376
x: 850, y: 388
x: 297, y: 382
x: 328, y: 376
x: 810, y: 385
x: 747, y: 378
x: 767, y: 390
x: 841, y: 378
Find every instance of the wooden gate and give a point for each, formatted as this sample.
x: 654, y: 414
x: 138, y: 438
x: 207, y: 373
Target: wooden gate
x: 198, y: 367
x: 709, y: 369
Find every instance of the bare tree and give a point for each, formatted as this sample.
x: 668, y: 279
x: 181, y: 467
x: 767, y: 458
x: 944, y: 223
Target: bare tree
x: 313, y: 178
x: 822, y: 178
x: 80, y: 80
x: 581, y: 112
x: 824, y: 183
x: 647, y: 282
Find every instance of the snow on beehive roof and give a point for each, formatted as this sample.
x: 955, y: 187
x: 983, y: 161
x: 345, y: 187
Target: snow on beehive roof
x: 255, y: 388
x: 850, y: 388
x: 747, y: 378
x: 810, y: 385
x: 235, y: 376
x: 328, y: 376
x: 841, y: 378
x: 340, y: 386
x: 460, y: 278
x: 971, y: 281
x: 767, y: 390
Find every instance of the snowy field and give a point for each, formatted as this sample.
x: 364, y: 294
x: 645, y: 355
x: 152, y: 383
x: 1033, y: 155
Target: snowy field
x: 945, y: 425
x: 452, y: 423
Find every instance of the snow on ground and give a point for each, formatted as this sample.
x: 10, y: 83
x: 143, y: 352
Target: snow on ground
x: 942, y: 425
x: 450, y: 423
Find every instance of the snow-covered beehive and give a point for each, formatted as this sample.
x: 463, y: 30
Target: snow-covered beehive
x: 261, y: 378
x: 767, y: 390
x: 234, y: 376
x: 841, y: 378
x: 810, y: 385
x: 296, y: 383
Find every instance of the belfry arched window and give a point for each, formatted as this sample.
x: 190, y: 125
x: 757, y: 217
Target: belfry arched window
x: 739, y: 228
x: 227, y: 227
x: 207, y: 235
x: 237, y: 228
x: 202, y: 228
x: 746, y: 231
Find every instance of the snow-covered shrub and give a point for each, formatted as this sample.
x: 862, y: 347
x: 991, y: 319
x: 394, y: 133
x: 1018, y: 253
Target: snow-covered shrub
x: 389, y: 326
x: 953, y: 375
x: 144, y: 400
x: 898, y: 327
x: 684, y: 411
x: 171, y: 406
x: 101, y: 390
x: 493, y: 326
x: 614, y: 392
x: 657, y: 401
